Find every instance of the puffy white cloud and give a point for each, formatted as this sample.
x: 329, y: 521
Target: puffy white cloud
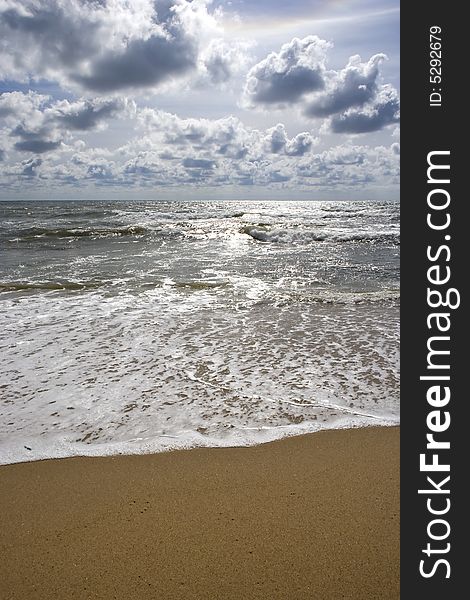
x: 277, y: 141
x: 285, y: 77
x: 35, y: 124
x: 227, y: 138
x: 327, y: 170
x: 348, y: 166
x: 276, y: 138
x: 168, y: 151
x: 21, y: 171
x: 26, y: 128
x: 220, y: 61
x: 29, y: 167
x: 351, y: 100
x: 300, y: 144
x: 15, y: 104
x: 95, y: 53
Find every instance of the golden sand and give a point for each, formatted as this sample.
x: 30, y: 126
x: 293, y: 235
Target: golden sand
x: 315, y: 516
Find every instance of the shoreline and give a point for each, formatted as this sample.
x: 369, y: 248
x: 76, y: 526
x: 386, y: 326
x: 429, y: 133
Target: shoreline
x: 187, y: 444
x: 306, y: 516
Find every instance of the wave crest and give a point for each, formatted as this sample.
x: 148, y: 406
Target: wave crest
x: 262, y: 234
x: 65, y: 232
x: 19, y: 286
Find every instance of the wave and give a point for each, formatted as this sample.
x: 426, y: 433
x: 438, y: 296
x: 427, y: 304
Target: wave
x: 25, y: 286
x: 66, y: 232
x: 84, y: 214
x: 200, y: 285
x: 263, y: 234
x: 343, y: 298
x: 19, y: 286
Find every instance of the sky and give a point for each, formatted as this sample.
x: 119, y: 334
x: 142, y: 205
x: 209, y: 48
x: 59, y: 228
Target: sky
x: 201, y: 99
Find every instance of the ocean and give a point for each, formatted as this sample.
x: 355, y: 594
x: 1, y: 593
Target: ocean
x: 132, y: 327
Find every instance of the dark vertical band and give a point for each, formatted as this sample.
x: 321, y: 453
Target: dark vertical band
x: 434, y: 323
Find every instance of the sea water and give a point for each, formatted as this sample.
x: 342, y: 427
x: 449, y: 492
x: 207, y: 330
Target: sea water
x: 130, y: 327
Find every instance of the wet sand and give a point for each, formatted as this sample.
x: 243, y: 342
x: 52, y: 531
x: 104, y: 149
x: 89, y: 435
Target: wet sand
x: 315, y: 516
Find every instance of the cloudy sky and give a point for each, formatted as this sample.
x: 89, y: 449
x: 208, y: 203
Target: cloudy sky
x: 199, y: 99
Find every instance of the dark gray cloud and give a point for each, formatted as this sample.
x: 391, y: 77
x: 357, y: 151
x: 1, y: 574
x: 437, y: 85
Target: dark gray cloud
x: 278, y: 88
x: 144, y: 63
x: 37, y: 146
x: 354, y: 86
x: 384, y: 111
x: 36, y: 140
x: 85, y: 115
x: 285, y: 77
x: 107, y: 47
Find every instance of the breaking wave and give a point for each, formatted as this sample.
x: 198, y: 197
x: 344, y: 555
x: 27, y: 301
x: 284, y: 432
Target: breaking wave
x: 18, y: 286
x: 64, y: 232
x: 262, y: 234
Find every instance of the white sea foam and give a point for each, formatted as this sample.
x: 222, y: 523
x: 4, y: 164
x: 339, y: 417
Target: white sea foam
x: 286, y: 236
x: 56, y: 446
x: 89, y: 375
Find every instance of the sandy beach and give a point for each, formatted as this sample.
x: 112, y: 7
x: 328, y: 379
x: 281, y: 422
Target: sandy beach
x: 314, y: 516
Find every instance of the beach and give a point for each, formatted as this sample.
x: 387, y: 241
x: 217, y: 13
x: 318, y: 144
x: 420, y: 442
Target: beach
x: 311, y: 516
